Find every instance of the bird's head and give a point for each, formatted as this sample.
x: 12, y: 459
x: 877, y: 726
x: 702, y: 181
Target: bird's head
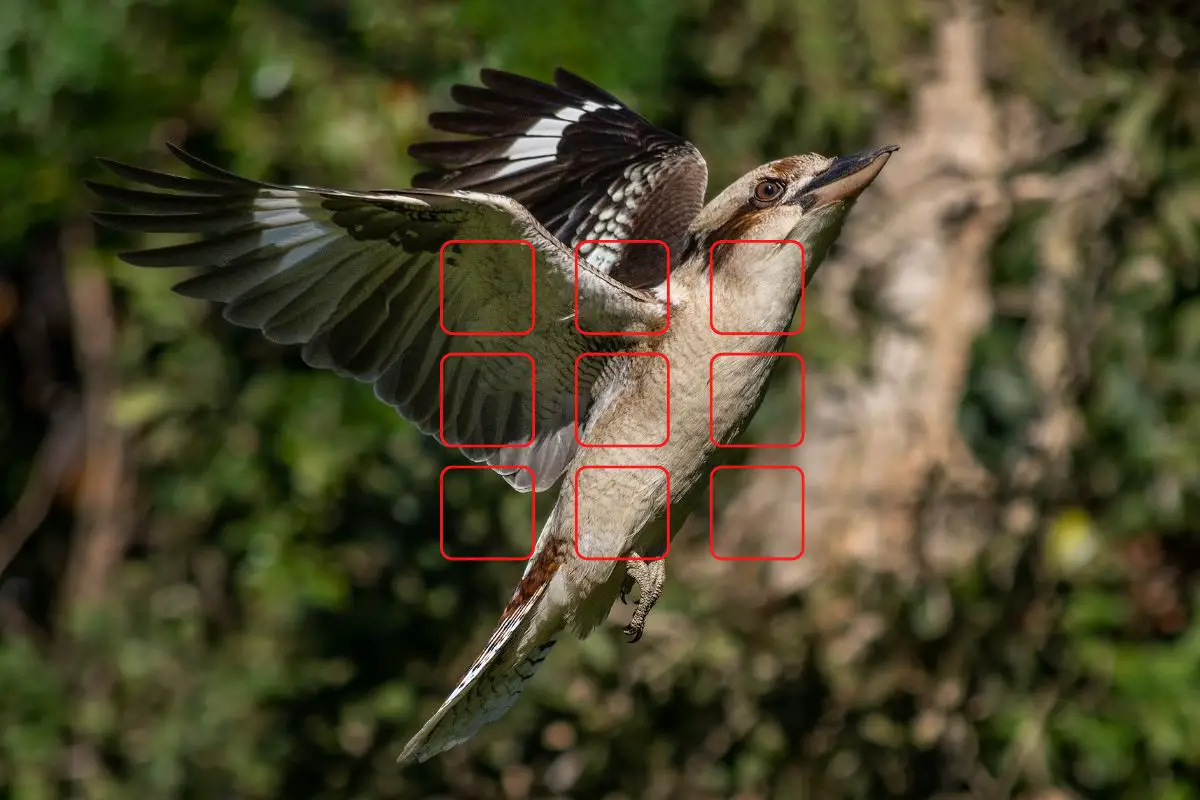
x: 803, y: 198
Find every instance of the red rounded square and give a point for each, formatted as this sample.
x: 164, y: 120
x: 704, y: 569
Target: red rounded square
x: 442, y: 515
x: 711, y: 294
x: 575, y: 537
x: 442, y: 399
x: 532, y: 287
x: 712, y: 514
x: 666, y: 323
x: 667, y: 395
x: 751, y: 445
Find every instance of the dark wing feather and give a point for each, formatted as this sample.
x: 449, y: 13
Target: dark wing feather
x: 353, y: 277
x: 583, y: 163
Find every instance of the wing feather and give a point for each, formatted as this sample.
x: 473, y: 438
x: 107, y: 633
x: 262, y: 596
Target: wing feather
x: 585, y: 165
x: 353, y: 277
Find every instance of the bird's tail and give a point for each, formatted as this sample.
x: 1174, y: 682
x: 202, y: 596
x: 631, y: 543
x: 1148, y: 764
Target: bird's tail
x: 492, y: 684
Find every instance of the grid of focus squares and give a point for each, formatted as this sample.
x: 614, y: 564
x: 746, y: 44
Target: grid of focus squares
x: 464, y: 417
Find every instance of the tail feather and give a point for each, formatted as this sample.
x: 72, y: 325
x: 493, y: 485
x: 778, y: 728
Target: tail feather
x: 488, y: 689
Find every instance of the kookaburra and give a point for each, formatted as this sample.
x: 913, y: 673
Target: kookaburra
x: 380, y: 286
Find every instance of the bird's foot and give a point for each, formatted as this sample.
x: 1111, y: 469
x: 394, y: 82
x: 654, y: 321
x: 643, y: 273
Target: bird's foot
x: 649, y: 576
x: 627, y: 588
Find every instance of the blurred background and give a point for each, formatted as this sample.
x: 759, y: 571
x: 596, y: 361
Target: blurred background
x: 219, y: 570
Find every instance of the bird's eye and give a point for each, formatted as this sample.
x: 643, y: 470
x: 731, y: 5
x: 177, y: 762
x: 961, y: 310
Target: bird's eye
x: 768, y: 191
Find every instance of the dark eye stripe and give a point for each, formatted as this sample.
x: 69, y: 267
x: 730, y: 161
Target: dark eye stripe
x: 736, y: 229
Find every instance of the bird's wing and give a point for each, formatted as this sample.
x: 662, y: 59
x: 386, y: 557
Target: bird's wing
x: 354, y: 278
x: 584, y: 164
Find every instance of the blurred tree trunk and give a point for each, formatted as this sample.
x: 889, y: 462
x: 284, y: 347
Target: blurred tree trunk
x: 921, y: 241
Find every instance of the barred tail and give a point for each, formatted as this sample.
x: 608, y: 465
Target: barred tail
x: 495, y: 680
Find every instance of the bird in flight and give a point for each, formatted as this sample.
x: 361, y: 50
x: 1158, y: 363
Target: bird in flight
x: 601, y: 244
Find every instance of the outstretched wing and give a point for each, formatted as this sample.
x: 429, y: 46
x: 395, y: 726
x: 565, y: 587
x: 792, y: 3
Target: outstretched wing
x: 584, y: 164
x: 354, y: 278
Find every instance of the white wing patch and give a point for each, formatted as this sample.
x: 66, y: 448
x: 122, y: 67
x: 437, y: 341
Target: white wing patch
x: 538, y: 145
x: 586, y: 107
x: 612, y: 216
x: 515, y: 164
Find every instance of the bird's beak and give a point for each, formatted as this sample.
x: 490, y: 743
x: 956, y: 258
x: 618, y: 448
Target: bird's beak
x: 845, y: 178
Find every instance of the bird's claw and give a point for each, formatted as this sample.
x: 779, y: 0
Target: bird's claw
x: 649, y: 576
